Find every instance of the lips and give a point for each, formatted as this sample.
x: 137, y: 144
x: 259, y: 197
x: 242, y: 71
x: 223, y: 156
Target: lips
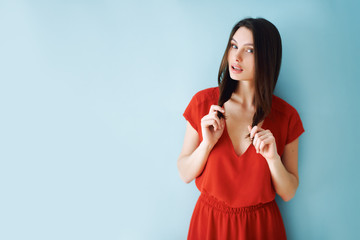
x: 236, y: 69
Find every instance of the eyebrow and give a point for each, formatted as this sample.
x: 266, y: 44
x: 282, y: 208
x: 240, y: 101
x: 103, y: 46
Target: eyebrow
x: 246, y: 44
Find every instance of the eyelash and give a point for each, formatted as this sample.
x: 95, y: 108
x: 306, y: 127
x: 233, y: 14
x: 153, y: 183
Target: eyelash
x: 249, y: 50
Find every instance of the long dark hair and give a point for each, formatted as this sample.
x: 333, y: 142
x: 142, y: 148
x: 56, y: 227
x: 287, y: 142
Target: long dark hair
x: 268, y: 52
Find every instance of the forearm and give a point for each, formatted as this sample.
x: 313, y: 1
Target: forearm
x: 285, y: 183
x: 192, y: 165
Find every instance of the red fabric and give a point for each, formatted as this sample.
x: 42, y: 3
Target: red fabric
x: 237, y: 194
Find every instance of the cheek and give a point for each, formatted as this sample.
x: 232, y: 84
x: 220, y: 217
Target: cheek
x: 253, y: 66
x: 251, y: 61
x: 229, y: 57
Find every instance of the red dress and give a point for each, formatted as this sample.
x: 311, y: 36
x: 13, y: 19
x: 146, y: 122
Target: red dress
x: 237, y: 199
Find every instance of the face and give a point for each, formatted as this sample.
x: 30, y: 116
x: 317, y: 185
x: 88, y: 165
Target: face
x: 241, y: 58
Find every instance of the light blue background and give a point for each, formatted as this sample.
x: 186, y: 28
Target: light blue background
x: 91, y: 101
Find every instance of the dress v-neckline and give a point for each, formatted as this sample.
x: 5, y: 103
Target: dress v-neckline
x: 232, y: 145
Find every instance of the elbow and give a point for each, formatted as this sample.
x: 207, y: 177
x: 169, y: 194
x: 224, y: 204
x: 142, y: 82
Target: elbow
x: 184, y: 178
x: 287, y: 197
x: 187, y: 181
x: 290, y: 194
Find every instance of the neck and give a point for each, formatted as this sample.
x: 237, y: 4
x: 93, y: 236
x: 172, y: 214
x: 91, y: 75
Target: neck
x: 244, y: 94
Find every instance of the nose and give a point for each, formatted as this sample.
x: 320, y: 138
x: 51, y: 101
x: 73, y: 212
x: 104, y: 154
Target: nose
x: 238, y: 56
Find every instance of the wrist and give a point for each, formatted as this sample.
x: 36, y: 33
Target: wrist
x: 274, y: 159
x: 206, y: 145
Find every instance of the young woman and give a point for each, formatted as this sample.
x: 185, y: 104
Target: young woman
x: 241, y: 141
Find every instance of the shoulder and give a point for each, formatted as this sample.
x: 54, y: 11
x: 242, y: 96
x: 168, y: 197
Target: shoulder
x: 282, y: 107
x: 199, y: 106
x: 285, y: 123
x: 207, y: 95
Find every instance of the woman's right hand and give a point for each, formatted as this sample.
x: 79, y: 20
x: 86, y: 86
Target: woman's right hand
x: 211, y: 126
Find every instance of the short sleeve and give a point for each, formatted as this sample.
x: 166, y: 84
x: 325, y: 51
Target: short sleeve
x: 191, y: 113
x: 295, y: 128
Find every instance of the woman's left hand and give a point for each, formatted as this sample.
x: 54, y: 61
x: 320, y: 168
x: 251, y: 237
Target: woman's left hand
x: 264, y: 142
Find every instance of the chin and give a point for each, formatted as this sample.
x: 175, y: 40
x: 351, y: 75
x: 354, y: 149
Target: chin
x: 241, y: 79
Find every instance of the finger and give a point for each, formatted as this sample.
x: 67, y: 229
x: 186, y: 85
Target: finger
x: 210, y: 122
x: 249, y: 128
x: 214, y: 108
x: 262, y: 143
x: 265, y: 143
x: 222, y: 122
x: 214, y: 116
x: 254, y: 143
x: 253, y: 131
x: 264, y: 134
x: 211, y: 116
x: 257, y: 144
x: 260, y: 139
x: 257, y: 135
x: 262, y: 146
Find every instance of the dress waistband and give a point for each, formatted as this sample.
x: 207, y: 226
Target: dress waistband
x: 222, y: 206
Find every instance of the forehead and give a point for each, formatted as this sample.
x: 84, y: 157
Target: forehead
x: 243, y: 36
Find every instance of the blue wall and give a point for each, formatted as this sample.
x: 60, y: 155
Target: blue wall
x: 92, y: 95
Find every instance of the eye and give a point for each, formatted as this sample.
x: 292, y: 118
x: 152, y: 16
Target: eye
x: 250, y: 50
x: 233, y: 46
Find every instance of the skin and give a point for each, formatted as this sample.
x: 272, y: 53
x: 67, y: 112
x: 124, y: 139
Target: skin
x: 239, y: 110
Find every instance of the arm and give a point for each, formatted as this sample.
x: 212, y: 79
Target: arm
x: 193, y: 155
x: 284, y: 172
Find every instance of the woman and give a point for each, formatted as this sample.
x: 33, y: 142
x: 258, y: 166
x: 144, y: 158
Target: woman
x: 241, y: 141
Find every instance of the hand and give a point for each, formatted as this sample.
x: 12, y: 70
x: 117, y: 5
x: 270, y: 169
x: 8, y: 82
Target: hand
x: 264, y: 142
x: 211, y: 126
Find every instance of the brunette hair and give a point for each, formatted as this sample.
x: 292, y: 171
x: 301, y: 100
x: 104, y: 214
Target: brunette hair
x: 268, y: 52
